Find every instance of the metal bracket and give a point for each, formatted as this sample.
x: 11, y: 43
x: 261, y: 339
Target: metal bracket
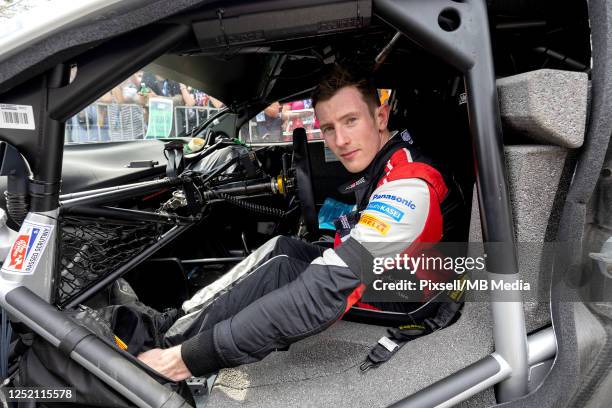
x: 199, y: 390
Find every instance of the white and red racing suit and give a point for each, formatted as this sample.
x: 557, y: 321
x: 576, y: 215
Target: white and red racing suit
x: 288, y: 289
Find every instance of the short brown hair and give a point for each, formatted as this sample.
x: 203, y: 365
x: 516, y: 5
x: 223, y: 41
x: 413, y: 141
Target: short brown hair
x: 339, y: 77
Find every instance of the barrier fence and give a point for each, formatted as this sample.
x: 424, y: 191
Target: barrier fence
x: 103, y: 122
x: 263, y: 129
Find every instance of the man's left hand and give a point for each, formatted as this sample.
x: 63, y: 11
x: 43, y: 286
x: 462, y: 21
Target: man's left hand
x: 167, y: 362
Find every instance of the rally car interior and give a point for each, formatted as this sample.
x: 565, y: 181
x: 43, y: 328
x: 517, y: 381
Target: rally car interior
x: 170, y: 223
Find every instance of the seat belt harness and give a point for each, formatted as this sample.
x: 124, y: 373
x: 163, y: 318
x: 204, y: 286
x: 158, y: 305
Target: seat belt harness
x: 447, y: 313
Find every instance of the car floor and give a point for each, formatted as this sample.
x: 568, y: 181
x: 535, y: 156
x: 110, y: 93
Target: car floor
x: 323, y: 370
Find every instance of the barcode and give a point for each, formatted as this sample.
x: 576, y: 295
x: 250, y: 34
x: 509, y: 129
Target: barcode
x: 15, y: 118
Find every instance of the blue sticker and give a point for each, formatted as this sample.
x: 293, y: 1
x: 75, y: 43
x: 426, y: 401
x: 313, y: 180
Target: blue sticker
x: 33, y: 236
x: 386, y: 209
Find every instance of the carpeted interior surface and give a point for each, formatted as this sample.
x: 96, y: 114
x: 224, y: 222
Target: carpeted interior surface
x: 323, y: 370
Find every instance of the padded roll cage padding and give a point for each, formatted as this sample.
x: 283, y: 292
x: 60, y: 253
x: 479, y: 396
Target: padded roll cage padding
x: 74, y: 336
x: 547, y: 106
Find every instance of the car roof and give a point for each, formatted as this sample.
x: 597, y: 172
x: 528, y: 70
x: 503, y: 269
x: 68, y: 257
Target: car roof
x: 48, y: 19
x: 251, y: 52
x: 237, y: 53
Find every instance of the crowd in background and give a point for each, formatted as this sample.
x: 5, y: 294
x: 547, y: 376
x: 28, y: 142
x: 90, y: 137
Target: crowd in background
x: 277, y: 122
x: 131, y: 111
x: 123, y: 112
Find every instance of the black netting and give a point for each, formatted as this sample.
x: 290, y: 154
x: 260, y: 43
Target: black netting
x: 92, y: 248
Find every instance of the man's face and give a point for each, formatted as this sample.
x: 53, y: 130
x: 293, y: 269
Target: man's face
x: 351, y: 130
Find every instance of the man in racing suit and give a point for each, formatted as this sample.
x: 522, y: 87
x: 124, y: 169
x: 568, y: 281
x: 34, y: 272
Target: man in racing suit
x: 289, y: 289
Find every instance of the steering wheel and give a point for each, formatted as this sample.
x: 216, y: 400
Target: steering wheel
x: 303, y: 176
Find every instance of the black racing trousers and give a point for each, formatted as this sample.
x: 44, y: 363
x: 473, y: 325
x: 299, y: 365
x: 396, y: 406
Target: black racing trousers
x: 275, y: 268
x: 285, y: 291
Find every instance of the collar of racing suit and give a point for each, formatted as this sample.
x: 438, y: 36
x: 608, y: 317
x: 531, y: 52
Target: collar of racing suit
x: 452, y: 205
x: 364, y: 184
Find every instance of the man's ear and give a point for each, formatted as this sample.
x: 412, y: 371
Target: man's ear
x: 382, y: 116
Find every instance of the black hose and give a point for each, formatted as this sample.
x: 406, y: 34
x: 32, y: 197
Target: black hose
x: 257, y: 208
x: 571, y: 63
x: 17, y: 206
